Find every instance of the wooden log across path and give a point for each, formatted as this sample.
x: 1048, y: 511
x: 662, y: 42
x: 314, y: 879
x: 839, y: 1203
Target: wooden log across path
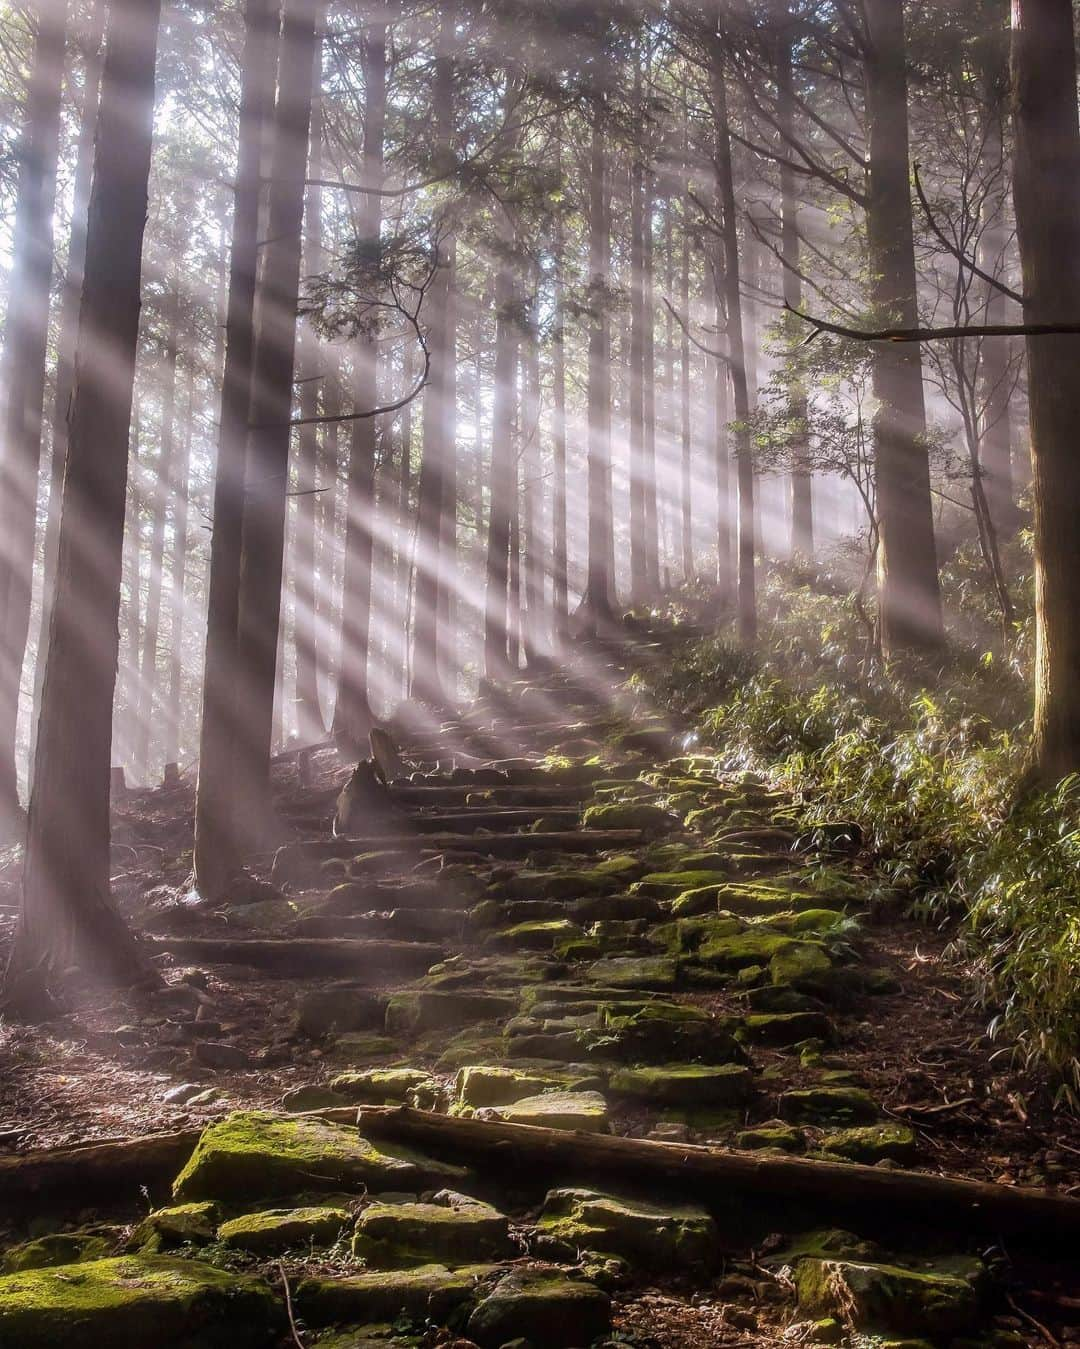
x: 913, y: 1196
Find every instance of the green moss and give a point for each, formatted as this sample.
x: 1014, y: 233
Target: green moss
x: 624, y: 867
x: 872, y: 1143
x: 384, y: 1085
x: 781, y: 1136
x: 58, y: 1248
x: 255, y: 1154
x: 804, y: 966
x: 784, y: 1028
x: 278, y: 1229
x: 484, y: 1086
x: 135, y: 1301
x: 685, y: 1084
x: 414, y: 1011
x: 635, y: 972
x: 414, y: 1295
x: 629, y: 815
x: 672, y: 884
x: 888, y: 1298
x: 541, y: 936
x: 544, y: 1309
x: 182, y: 1224
x: 458, y: 1232
x: 584, y: 1111
x: 828, y: 1105
x: 658, y: 1236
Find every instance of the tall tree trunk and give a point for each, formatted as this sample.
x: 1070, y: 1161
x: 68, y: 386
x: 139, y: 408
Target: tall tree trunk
x: 160, y: 494
x: 1046, y: 195
x: 266, y: 479
x: 648, y: 400
x: 69, y: 330
x: 560, y: 601
x: 178, y: 581
x: 802, y: 501
x: 125, y: 703
x: 425, y: 683
x: 352, y: 713
x: 717, y: 405
x: 67, y: 918
x: 746, y: 608
x: 995, y: 390
x: 599, y: 598
x: 535, y: 631
x: 404, y: 518
x: 909, y: 594
x: 686, y: 530
x: 639, y: 580
x: 502, y: 502
x: 217, y: 845
x: 25, y: 334
x: 305, y: 621
x: 448, y: 518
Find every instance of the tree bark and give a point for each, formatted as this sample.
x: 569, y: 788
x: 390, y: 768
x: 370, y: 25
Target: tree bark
x: 746, y: 607
x: 535, y: 627
x: 686, y: 519
x: 25, y: 334
x: 560, y: 598
x: 67, y: 919
x: 1046, y: 194
x: 266, y: 479
x: 639, y: 580
x: 352, y: 714
x: 802, y: 500
x: 178, y: 582
x: 217, y: 854
x: 147, y: 718
x: 908, y: 590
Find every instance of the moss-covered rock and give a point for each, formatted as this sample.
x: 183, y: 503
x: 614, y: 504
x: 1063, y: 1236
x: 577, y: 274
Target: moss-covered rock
x: 455, y: 1231
x: 585, y: 1111
x: 557, y: 885
x: 635, y: 972
x: 804, y: 966
x: 685, y: 1084
x: 181, y: 1225
x: 872, y: 1143
x: 58, y: 1248
x: 658, y: 1236
x: 341, y: 1007
x: 672, y: 884
x: 381, y: 1086
x: 783, y: 1137
x: 665, y: 1032
x: 412, y: 1012
x: 828, y: 1105
x: 630, y: 815
x: 430, y: 1292
x: 253, y: 1154
x: 625, y: 867
x: 277, y: 1229
x: 885, y: 1297
x: 784, y: 1028
x: 362, y: 1047
x: 543, y: 936
x: 541, y: 1308
x: 135, y: 1301
x: 485, y: 1085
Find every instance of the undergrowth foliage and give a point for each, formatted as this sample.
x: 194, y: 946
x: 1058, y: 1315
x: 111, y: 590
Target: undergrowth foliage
x: 932, y: 779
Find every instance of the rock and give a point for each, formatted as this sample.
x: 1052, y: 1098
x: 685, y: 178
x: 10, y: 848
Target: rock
x: 780, y: 998
x: 205, y: 1097
x: 582, y: 1110
x: 341, y: 1007
x: 781, y: 1136
x: 456, y: 1231
x: 658, y: 1236
x: 699, y: 900
x: 135, y: 1301
x: 647, y: 972
x: 630, y: 815
x: 784, y: 1028
x: 685, y: 1084
x: 558, y: 885
x: 182, y: 1094
x: 543, y: 936
x: 214, y: 1054
x: 672, y: 884
x: 383, y: 1086
x: 58, y: 1248
x: 492, y: 1086
x: 804, y: 966
x: 828, y: 1105
x: 362, y: 1047
x: 429, y: 1292
x: 277, y: 1229
x: 937, y: 1303
x: 256, y: 1154
x: 312, y: 1097
x: 665, y: 1032
x: 180, y: 1225
x: 872, y: 1143
x: 415, y: 1011
x: 544, y: 1308
x: 622, y: 908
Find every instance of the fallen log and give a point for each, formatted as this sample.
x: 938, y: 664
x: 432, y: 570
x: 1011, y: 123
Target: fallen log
x: 484, y: 817
x: 296, y: 957
x: 118, y: 1168
x: 456, y: 794
x: 885, y: 1195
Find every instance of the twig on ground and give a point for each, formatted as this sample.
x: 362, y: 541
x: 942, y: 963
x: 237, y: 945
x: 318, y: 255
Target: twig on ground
x: 289, y: 1307
x: 1038, y: 1325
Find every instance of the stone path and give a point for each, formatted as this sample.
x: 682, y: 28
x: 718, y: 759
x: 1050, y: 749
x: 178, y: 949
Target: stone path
x: 587, y: 931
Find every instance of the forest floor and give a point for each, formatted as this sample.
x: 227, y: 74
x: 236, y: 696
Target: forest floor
x: 560, y: 918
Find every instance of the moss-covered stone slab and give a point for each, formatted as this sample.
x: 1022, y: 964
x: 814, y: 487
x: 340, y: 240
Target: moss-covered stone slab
x: 322, y: 1011
x: 414, y: 1011
x: 543, y: 936
x: 482, y: 1085
x: 277, y: 1229
x: 135, y: 1301
x: 659, y: 973
x: 630, y: 815
x: 828, y: 1105
x: 560, y: 885
x: 685, y: 1084
x: 180, y: 1225
x: 803, y: 965
x: 665, y: 1032
x: 362, y: 1047
x: 585, y: 1111
x: 621, y: 908
x: 784, y: 1137
x: 428, y: 1292
x: 872, y: 1143
x: 58, y: 1248
x: 381, y: 1086
x: 656, y: 1235
x: 541, y: 1308
x: 253, y: 1154
x: 780, y: 1029
x: 672, y: 884
x: 455, y: 1231
x: 885, y: 1297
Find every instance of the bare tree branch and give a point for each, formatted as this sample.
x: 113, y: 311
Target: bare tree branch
x: 934, y: 334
